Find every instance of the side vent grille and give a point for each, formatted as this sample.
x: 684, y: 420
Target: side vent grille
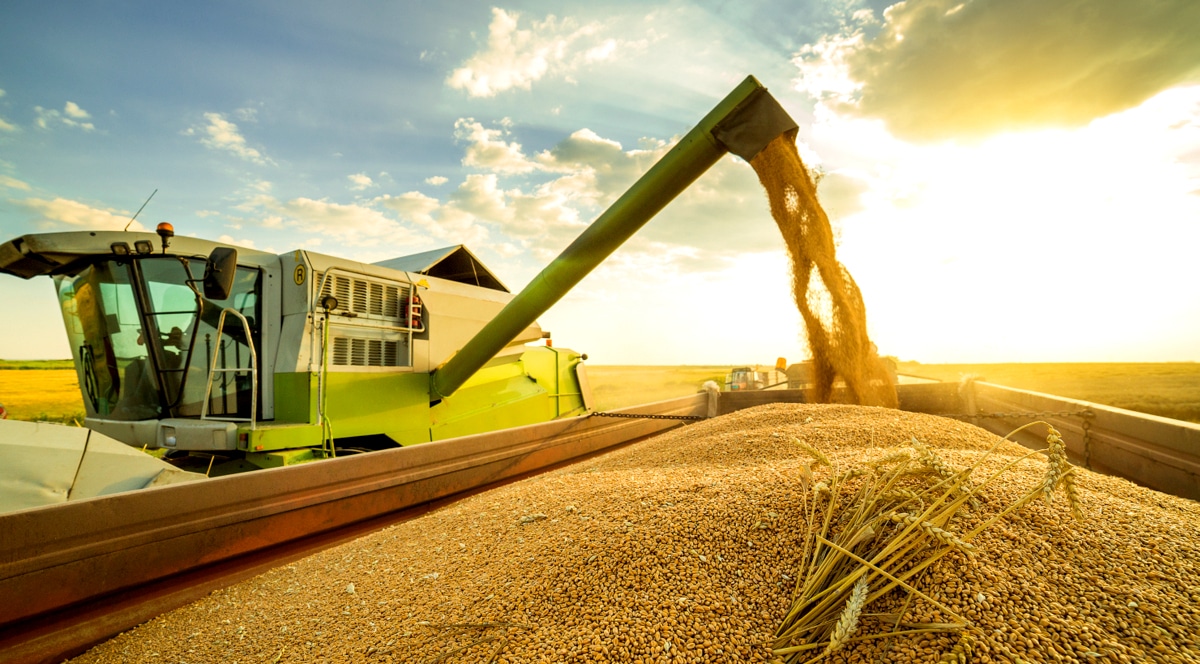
x: 357, y: 352
x: 364, y: 297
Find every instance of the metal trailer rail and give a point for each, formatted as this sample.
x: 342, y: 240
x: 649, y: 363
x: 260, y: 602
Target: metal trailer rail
x: 1156, y: 452
x: 75, y: 574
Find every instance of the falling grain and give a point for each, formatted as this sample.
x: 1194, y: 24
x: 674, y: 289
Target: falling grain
x: 829, y: 300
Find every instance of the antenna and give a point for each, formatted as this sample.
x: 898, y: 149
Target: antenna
x: 135, y: 214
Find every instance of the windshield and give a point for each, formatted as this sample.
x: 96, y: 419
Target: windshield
x: 143, y: 341
x: 105, y: 332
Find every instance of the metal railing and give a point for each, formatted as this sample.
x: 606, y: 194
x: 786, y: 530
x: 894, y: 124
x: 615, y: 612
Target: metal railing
x: 252, y: 369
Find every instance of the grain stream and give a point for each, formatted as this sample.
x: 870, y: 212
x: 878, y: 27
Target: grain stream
x: 686, y: 547
x: 835, y: 317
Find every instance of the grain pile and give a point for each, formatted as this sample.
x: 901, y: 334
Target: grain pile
x: 835, y: 317
x: 689, y: 548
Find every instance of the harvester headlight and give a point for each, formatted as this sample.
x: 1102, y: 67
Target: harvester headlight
x: 329, y: 303
x: 119, y: 248
x: 144, y: 247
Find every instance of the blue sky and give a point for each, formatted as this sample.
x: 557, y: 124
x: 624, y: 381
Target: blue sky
x: 1009, y: 181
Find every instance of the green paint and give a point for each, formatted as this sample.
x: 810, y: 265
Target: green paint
x: 283, y: 458
x: 536, y: 386
x: 268, y: 437
x: 365, y: 403
x: 292, y: 402
x: 511, y: 391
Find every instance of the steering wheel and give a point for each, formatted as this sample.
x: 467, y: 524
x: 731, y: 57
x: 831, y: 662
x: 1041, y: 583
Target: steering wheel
x: 90, y: 384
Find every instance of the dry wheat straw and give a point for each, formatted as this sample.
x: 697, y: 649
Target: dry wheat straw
x: 893, y: 546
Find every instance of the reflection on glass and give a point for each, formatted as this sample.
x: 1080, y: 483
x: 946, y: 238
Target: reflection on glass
x: 105, y: 332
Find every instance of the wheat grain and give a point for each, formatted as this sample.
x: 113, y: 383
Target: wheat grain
x: 961, y: 653
x: 654, y: 543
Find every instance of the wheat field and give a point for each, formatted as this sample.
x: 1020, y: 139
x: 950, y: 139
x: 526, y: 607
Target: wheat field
x: 31, y: 392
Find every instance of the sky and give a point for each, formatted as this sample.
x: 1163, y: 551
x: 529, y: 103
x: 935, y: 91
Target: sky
x: 1008, y: 180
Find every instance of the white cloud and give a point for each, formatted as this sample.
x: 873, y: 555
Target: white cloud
x: 74, y: 117
x: 946, y: 69
x: 450, y: 222
x: 587, y: 172
x: 72, y: 109
x: 602, y: 52
x: 515, y: 58
x: 352, y: 224
x: 229, y: 239
x: 488, y: 150
x: 436, y: 180
x: 13, y: 183
x: 2, y: 92
x: 62, y: 211
x: 360, y: 182
x: 221, y: 134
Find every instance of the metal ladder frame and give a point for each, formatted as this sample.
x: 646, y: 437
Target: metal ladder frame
x: 253, y: 369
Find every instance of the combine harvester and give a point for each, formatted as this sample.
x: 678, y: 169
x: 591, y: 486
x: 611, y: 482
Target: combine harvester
x: 356, y: 392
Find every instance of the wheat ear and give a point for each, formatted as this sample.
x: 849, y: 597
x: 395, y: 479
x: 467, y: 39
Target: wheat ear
x: 848, y: 621
x: 945, y: 537
x: 816, y: 454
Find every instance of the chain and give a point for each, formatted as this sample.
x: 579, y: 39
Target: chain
x: 1086, y: 426
x: 637, y: 416
x: 1024, y: 414
x: 1087, y: 437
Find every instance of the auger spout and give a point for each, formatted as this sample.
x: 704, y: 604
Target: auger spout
x: 743, y: 123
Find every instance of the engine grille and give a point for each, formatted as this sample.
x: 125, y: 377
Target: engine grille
x: 371, y: 303
x: 365, y: 297
x: 359, y: 352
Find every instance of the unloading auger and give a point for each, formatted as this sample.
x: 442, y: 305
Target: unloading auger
x: 743, y: 123
x: 252, y: 359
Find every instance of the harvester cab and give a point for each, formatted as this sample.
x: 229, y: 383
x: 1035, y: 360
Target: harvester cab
x: 282, y: 359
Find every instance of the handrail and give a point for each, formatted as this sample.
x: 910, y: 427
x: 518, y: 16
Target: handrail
x: 212, y: 369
